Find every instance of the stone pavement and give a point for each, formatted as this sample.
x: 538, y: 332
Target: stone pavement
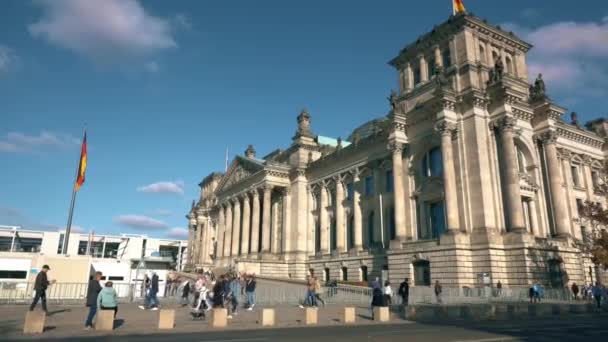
x: 68, y: 321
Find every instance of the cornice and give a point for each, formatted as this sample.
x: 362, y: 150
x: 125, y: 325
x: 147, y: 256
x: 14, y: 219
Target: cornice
x: 580, y: 136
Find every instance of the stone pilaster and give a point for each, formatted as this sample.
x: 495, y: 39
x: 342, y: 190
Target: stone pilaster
x: 340, y: 217
x: 357, y: 218
x: 409, y: 78
x: 424, y: 69
x: 221, y: 231
x: 255, y: 221
x: 310, y: 231
x: 287, y: 227
x: 558, y: 198
x: 447, y: 130
x: 202, y: 223
x: 228, y: 234
x: 438, y: 59
x: 236, y: 227
x: 266, y: 220
x: 246, y: 225
x: 398, y: 190
x: 513, y: 205
x: 324, y: 220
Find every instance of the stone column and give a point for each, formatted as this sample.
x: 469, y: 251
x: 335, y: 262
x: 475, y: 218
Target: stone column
x: 438, y: 59
x: 340, y: 226
x: 255, y: 222
x: 236, y: 227
x: 275, y: 237
x: 397, y: 150
x: 357, y: 219
x: 409, y: 78
x: 588, y: 177
x: 266, y: 220
x: 310, y: 233
x: 191, y: 239
x: 447, y: 129
x: 228, y: 235
x: 221, y: 232
x: 324, y: 220
x: 246, y: 225
x: 203, y: 228
x: 513, y: 206
x: 558, y: 198
x: 424, y: 69
x: 286, y: 236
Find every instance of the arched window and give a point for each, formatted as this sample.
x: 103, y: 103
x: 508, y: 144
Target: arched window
x: 344, y: 274
x: 555, y: 273
x: 422, y: 273
x: 521, y: 160
x: 432, y: 164
x: 392, y: 229
x: 370, y: 229
x: 509, y: 65
x: 482, y: 54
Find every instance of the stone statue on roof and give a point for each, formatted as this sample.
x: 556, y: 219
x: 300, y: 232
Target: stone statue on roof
x: 574, y: 119
x: 538, y: 90
x: 392, y: 99
x: 498, y: 71
x: 440, y: 78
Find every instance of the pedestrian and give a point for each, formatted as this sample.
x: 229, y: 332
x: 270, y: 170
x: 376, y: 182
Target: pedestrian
x: 498, y: 288
x: 200, y: 283
x: 438, y: 291
x: 376, y: 284
x: 218, y: 295
x: 92, y: 293
x: 250, y: 290
x: 536, y: 288
x: 311, y: 298
x: 318, y: 291
x: 531, y: 293
x: 575, y: 290
x: 185, y: 292
x: 40, y: 286
x: 235, y: 292
x: 388, y: 293
x: 377, y: 299
x: 108, y: 299
x: 404, y: 292
x: 598, y: 292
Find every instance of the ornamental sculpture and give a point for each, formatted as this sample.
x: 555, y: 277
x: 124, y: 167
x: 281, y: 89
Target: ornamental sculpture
x: 498, y: 71
x: 538, y: 91
x: 392, y: 99
x: 440, y: 78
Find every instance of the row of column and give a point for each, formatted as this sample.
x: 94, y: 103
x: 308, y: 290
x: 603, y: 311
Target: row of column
x: 407, y: 74
x: 239, y: 226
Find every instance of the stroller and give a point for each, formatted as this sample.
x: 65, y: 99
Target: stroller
x: 198, y: 311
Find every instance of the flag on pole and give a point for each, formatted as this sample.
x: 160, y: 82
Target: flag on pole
x: 82, y: 166
x: 458, y: 7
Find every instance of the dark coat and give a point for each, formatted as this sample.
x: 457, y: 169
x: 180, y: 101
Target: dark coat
x: 92, y: 292
x: 377, y: 297
x: 186, y: 290
x: 154, y: 284
x: 250, y: 286
x: 42, y: 282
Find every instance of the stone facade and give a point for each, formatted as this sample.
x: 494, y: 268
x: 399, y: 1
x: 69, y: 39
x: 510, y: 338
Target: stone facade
x: 473, y: 174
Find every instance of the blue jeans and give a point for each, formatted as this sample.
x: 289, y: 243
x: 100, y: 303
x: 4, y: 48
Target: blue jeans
x: 151, y: 299
x: 92, y: 312
x: 251, y: 298
x: 311, y: 298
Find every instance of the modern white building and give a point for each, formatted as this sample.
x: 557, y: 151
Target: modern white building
x: 123, y: 259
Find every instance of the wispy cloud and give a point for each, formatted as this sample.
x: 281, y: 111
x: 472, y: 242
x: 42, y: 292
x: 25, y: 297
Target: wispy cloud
x: 140, y: 222
x: 570, y: 55
x: 21, y: 142
x: 109, y: 31
x: 178, y: 233
x: 9, y: 61
x: 172, y: 187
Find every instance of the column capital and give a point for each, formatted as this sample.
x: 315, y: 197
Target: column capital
x: 549, y: 137
x: 355, y: 173
x: 587, y: 160
x: 395, y: 147
x: 564, y: 154
x: 235, y: 200
x: 505, y: 124
x: 446, y: 128
x: 245, y: 196
x: 286, y: 191
x: 338, y: 179
x: 267, y: 187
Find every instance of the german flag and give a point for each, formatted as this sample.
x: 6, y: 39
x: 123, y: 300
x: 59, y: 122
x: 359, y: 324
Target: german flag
x: 458, y: 6
x: 82, y: 166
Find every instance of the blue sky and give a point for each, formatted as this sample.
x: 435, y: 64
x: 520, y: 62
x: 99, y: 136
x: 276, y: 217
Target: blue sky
x: 165, y: 86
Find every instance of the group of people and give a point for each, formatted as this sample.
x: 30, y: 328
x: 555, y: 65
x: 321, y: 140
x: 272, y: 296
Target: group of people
x: 588, y: 292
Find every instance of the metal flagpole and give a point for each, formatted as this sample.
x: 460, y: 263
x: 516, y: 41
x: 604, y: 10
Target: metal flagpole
x: 68, y: 228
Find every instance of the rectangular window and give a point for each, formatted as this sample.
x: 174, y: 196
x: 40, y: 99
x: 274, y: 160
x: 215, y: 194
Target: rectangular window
x: 116, y: 278
x: 431, y: 67
x: 369, y: 186
x: 527, y: 218
x: 350, y: 191
x: 436, y: 163
x: 60, y: 246
x: 28, y: 245
x: 594, y: 178
x: 437, y: 219
x: 389, y: 181
x: 13, y: 274
x: 82, y: 247
x: 579, y: 206
x: 447, y: 58
x: 111, y: 250
x: 417, y: 75
x: 5, y: 243
x: 575, y: 179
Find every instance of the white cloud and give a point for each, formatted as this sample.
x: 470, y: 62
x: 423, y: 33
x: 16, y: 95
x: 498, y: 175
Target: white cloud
x: 176, y: 187
x: 106, y: 31
x: 9, y: 60
x: 22, y: 142
x: 570, y: 55
x: 140, y: 222
x: 178, y: 233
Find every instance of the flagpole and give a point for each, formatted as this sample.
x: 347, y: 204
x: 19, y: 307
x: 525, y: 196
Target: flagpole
x: 68, y: 227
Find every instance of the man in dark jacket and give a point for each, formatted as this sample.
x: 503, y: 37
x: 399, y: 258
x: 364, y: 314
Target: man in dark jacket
x: 154, y: 292
x: 40, y: 286
x: 404, y: 292
x: 92, y: 294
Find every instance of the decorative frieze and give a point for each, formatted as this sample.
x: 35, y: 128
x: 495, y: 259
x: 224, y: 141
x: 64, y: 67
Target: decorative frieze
x: 549, y: 137
x: 585, y: 139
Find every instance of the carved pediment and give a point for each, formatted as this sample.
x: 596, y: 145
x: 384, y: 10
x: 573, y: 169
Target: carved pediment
x: 239, y: 170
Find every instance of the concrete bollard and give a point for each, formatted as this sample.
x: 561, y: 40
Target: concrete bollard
x: 219, y: 318
x: 166, y: 319
x: 267, y: 317
x: 381, y: 314
x: 311, y: 316
x: 104, y: 320
x: 34, y: 322
x: 349, y: 315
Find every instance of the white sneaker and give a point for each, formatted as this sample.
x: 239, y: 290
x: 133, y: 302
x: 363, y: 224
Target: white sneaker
x: 229, y: 317
x: 250, y: 308
x: 301, y: 306
x: 154, y: 309
x: 252, y: 305
x: 142, y: 307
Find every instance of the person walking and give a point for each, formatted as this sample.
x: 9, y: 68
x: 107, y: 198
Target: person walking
x: 235, y: 292
x: 531, y: 293
x: 40, y: 286
x: 404, y: 292
x: 598, y: 292
x: 388, y: 293
x: 377, y: 299
x: 498, y: 289
x: 438, y: 291
x: 318, y: 291
x: 185, y: 292
x: 92, y: 293
x: 154, y: 291
x: 575, y: 291
x: 250, y: 290
x: 108, y: 299
x: 311, y: 298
